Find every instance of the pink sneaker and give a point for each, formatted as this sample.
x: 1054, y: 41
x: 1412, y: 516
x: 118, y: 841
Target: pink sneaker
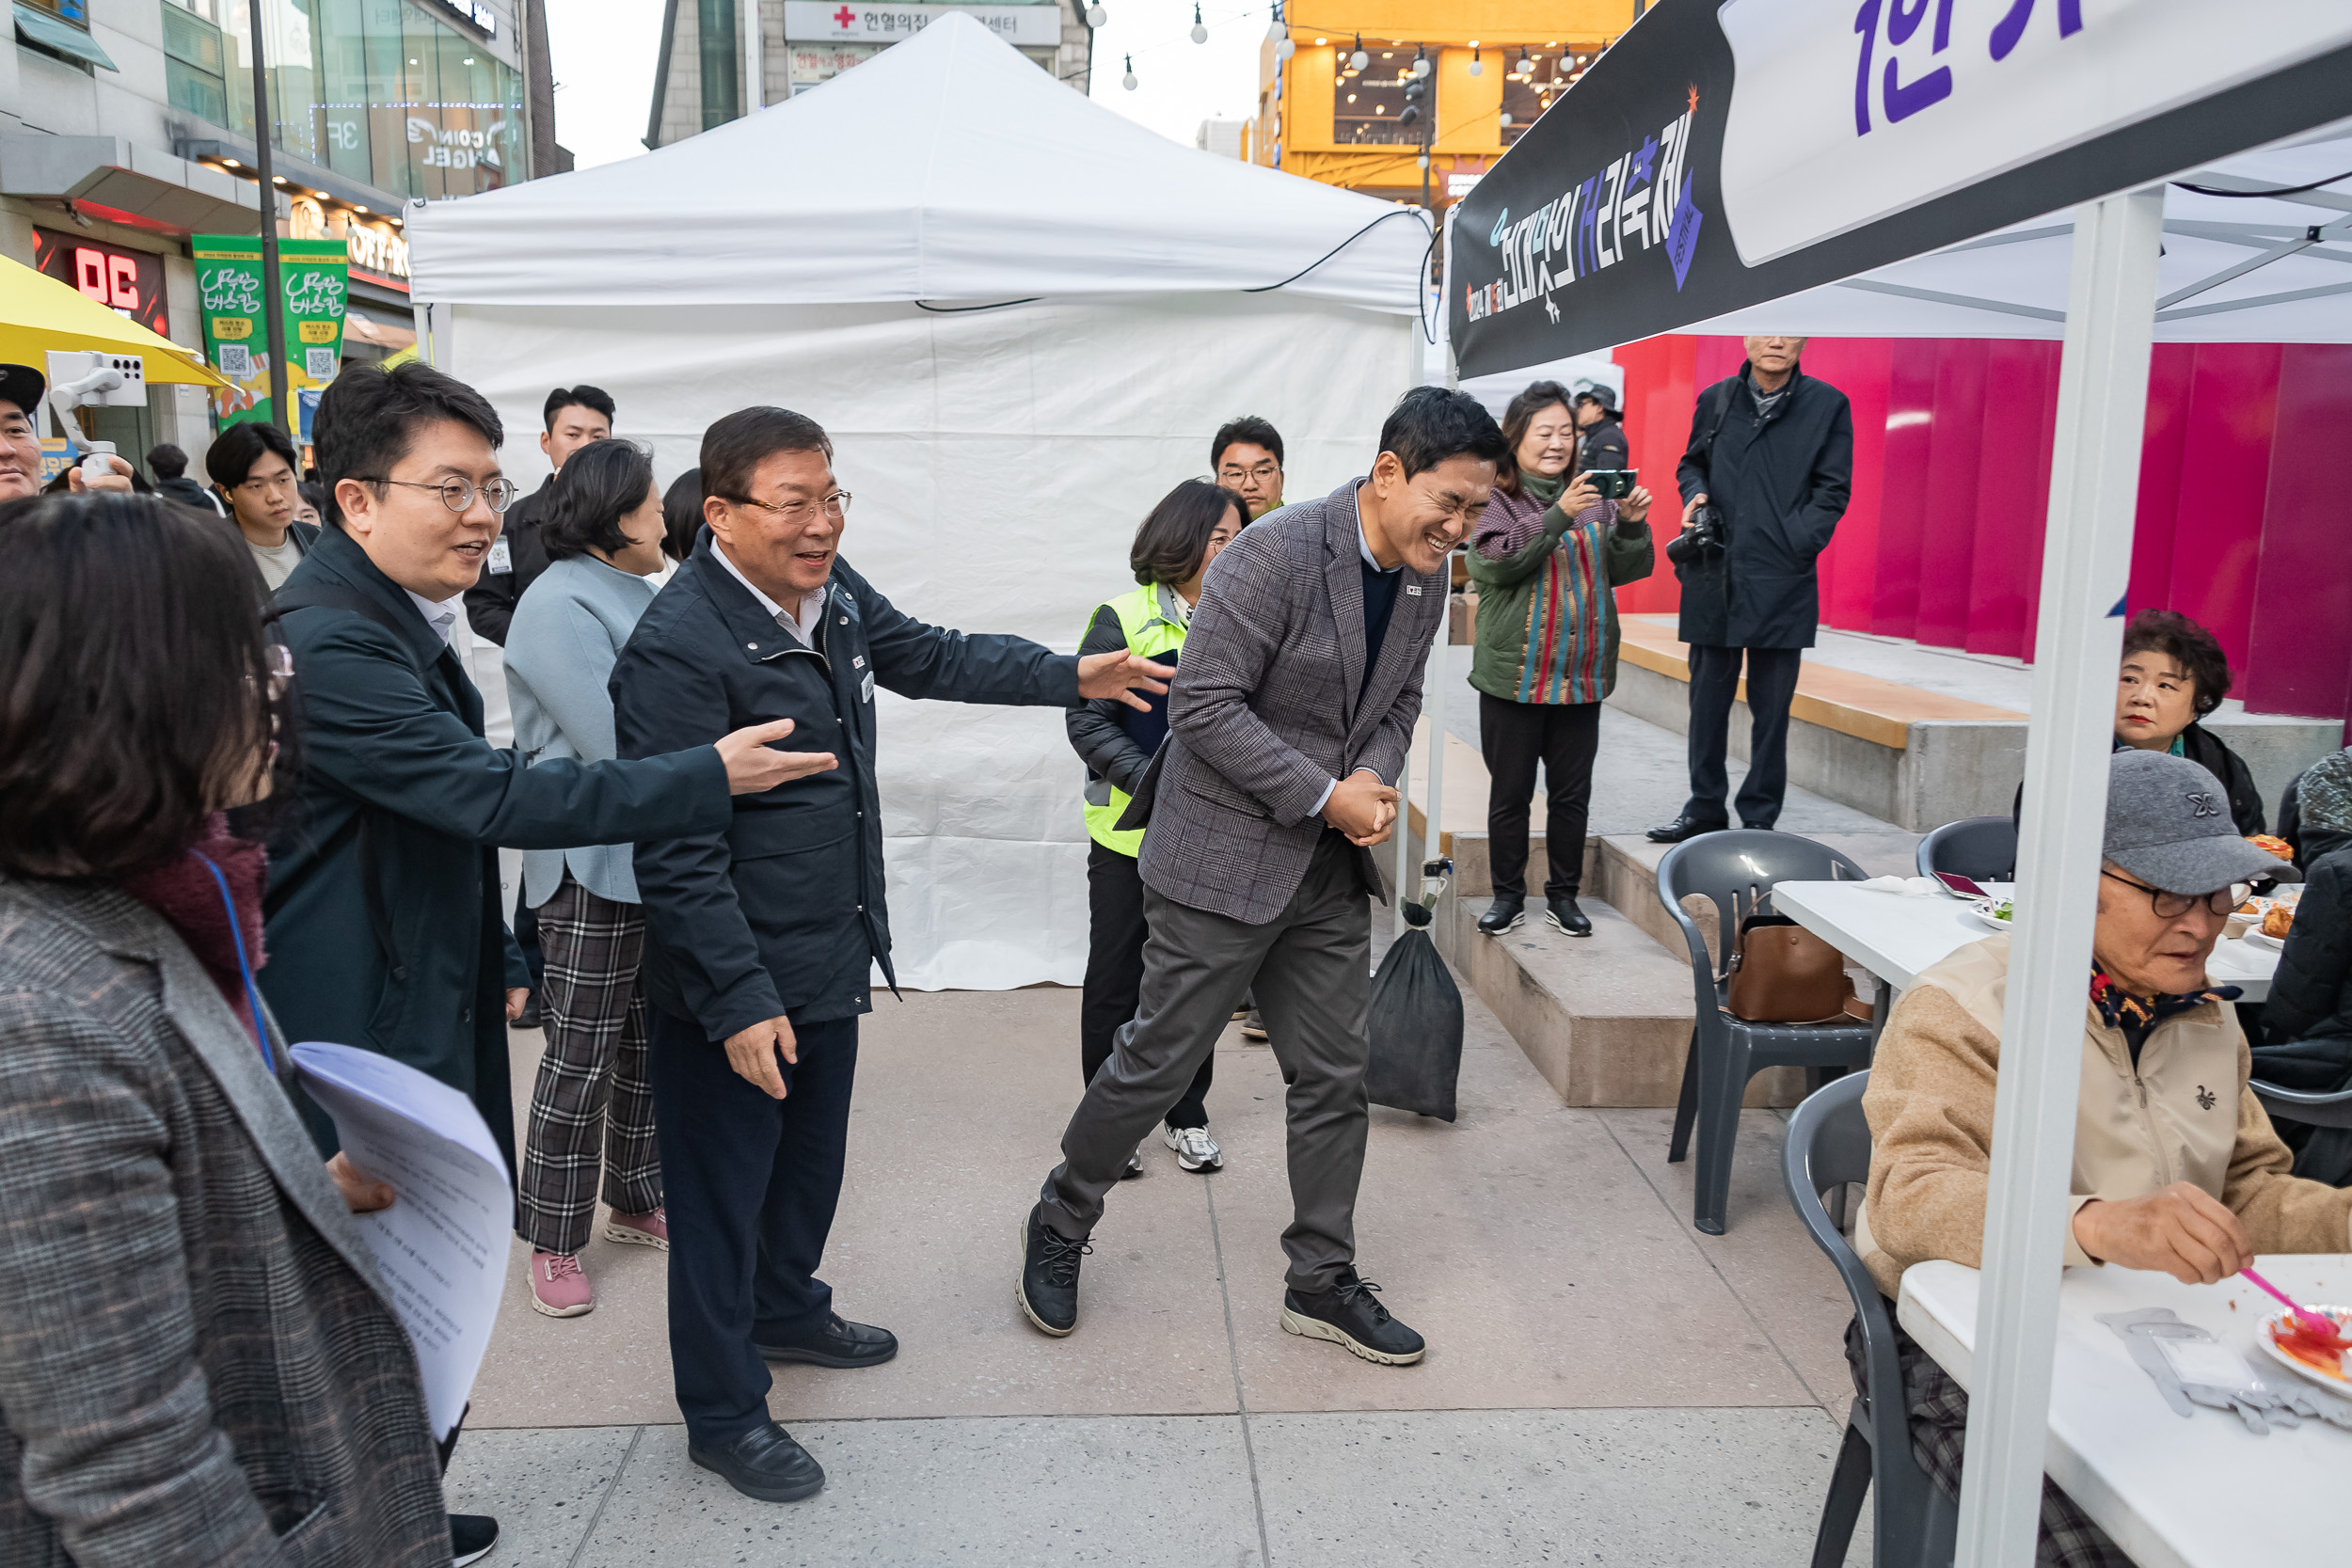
x: 648, y: 1229
x: 558, y: 1288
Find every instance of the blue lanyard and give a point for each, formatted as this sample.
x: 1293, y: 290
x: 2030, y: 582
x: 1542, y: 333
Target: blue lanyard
x: 236, y: 934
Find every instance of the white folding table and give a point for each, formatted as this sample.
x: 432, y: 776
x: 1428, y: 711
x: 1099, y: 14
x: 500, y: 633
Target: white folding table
x: 2199, y: 1491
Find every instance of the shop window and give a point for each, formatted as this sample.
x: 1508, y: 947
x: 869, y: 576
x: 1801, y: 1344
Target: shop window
x: 1528, y: 94
x: 1367, y: 106
x: 195, y: 74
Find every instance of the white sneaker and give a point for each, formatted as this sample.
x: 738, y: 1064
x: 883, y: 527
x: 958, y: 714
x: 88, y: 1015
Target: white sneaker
x: 1135, y: 1165
x: 1195, y: 1150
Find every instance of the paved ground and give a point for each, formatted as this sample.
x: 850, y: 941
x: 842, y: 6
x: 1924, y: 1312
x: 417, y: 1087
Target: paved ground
x: 1604, y: 1384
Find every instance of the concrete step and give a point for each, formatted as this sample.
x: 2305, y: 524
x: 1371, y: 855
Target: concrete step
x: 1606, y: 1019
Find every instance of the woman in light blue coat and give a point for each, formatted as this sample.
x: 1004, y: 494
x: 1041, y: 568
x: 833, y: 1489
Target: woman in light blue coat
x: 603, y: 530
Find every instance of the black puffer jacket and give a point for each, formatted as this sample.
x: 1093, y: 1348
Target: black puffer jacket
x: 2308, y: 1020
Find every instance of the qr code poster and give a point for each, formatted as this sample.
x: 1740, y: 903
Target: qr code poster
x: 236, y: 361
x: 319, y: 362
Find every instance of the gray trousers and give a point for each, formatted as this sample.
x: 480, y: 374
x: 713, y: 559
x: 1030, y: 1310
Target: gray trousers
x: 1310, y: 967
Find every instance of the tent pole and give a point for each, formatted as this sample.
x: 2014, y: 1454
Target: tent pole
x: 2086, y: 564
x: 754, y: 65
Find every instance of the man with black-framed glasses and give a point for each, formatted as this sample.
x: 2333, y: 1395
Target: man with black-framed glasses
x: 761, y: 931
x: 1245, y: 455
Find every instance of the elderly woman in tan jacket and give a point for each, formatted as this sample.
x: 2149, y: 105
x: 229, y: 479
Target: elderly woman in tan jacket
x: 2176, y: 1167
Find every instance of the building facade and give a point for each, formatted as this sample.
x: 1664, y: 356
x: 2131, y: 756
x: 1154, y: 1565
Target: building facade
x: 1495, y: 65
x: 702, y: 76
x: 126, y: 126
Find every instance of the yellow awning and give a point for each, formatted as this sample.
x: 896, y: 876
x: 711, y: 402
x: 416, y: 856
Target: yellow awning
x: 38, y: 313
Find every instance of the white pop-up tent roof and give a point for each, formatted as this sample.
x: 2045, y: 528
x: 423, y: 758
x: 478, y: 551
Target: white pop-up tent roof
x: 948, y: 169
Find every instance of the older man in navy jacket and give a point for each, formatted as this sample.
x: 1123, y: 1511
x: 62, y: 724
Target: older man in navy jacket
x: 760, y: 936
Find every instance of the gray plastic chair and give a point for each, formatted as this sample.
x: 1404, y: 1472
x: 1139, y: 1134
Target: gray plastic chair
x: 1736, y: 869
x: 2317, y: 1109
x: 1981, y: 848
x: 1914, y: 1524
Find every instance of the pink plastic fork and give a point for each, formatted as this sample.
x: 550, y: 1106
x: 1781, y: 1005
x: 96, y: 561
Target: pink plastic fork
x: 2314, y: 1321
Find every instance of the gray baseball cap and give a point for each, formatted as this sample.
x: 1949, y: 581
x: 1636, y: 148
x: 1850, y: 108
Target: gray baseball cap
x: 2168, y: 824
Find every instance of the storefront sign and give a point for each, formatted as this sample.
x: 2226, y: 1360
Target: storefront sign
x: 315, y: 275
x: 474, y: 13
x: 128, y: 281
x: 818, y: 21
x: 378, y: 250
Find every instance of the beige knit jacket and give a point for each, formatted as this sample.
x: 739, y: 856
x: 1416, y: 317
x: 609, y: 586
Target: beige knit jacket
x: 2184, y: 1114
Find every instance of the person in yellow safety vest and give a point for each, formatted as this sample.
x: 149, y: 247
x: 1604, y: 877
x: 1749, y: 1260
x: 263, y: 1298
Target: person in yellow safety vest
x: 1170, y: 555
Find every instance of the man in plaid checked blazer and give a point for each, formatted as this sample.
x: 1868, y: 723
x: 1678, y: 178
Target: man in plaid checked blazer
x: 1287, y: 717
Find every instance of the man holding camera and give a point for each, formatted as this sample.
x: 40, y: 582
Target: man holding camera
x: 1764, y: 481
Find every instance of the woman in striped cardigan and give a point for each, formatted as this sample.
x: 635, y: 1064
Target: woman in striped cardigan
x: 1546, y: 556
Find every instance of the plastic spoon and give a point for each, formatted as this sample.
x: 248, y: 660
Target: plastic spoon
x: 2313, y: 1321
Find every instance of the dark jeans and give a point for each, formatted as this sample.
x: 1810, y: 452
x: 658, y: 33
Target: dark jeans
x: 751, y: 1184
x: 1564, y: 736
x: 1714, y: 682
x: 1115, y: 935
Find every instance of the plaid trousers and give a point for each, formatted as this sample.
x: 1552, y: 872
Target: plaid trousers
x: 591, y: 1089
x: 1938, y: 1410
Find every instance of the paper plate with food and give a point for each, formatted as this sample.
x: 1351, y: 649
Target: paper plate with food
x: 2316, y: 1355
x: 1996, y: 912
x: 2277, y: 919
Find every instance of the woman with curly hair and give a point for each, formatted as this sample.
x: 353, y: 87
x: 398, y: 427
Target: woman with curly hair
x: 2174, y: 673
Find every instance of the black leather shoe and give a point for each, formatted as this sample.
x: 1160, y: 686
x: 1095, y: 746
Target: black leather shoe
x: 1347, y: 1314
x: 1562, y: 915
x: 765, y: 1463
x: 840, y: 1343
x: 1048, y: 1287
x: 470, y: 1538
x: 1503, y: 914
x: 1681, y: 828
x: 1758, y: 827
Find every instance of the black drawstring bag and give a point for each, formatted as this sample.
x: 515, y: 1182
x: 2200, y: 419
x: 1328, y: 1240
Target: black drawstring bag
x: 1416, y: 1026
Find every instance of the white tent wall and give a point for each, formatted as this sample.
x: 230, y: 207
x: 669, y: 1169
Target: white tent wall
x: 1001, y: 461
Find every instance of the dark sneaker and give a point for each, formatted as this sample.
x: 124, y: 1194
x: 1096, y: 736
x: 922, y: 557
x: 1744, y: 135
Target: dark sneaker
x: 1503, y: 914
x: 470, y: 1538
x: 840, y: 1344
x: 1758, y: 827
x: 1681, y: 828
x: 1347, y: 1314
x: 765, y: 1463
x: 1048, y: 1287
x: 1562, y: 915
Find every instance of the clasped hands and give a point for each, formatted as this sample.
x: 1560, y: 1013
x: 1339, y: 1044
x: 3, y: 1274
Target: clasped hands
x: 1362, y: 807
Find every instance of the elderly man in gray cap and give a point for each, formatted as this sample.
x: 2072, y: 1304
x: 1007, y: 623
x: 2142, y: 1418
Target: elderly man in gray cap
x: 2176, y: 1167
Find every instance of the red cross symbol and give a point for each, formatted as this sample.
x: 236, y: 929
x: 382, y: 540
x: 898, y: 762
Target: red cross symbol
x: 845, y: 16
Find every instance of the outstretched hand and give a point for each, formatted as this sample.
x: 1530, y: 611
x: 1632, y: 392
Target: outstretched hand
x: 754, y: 767
x: 1121, y: 675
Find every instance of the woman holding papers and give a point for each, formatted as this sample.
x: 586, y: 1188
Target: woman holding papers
x: 169, y: 1236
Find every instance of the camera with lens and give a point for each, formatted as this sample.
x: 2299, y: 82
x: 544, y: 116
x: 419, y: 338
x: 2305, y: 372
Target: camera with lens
x: 1704, y: 537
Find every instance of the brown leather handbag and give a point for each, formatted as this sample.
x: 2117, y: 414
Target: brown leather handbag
x: 1783, y: 973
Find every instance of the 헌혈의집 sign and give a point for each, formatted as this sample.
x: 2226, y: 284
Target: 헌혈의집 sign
x: 315, y: 279
x: 1727, y: 152
x: 819, y: 21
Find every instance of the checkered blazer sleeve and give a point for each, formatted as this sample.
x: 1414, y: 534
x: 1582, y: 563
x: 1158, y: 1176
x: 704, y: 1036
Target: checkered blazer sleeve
x: 98, y: 1367
x: 1252, y: 595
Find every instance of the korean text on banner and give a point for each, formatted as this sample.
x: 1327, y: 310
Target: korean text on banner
x: 315, y: 275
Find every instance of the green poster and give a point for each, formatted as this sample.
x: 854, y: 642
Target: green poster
x: 315, y: 273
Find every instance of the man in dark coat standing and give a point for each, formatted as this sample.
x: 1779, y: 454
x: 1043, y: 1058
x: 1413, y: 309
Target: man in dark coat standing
x: 761, y: 930
x: 574, y: 416
x: 1765, y: 478
x: 383, y: 925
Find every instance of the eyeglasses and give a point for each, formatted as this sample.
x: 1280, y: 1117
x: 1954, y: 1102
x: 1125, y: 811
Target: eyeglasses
x: 2172, y: 906
x: 1233, y: 475
x: 836, y: 507
x: 458, y: 493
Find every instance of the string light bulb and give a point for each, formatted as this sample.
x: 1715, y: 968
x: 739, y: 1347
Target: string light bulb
x: 1476, y: 66
x: 1200, y: 28
x: 1507, y: 118
x: 1128, y: 81
x: 1276, y: 32
x: 1527, y: 63
x: 1286, y: 48
x: 1096, y: 16
x: 1358, y: 59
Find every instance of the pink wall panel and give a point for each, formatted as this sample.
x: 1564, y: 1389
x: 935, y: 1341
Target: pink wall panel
x: 1902, y: 507
x: 2298, y: 658
x: 1858, y: 367
x: 2013, y: 496
x: 1947, y: 538
x: 2163, y: 441
x: 2047, y: 439
x: 2224, y: 472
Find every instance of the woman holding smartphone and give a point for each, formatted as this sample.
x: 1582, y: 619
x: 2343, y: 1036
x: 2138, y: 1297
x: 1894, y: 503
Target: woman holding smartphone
x: 1546, y: 557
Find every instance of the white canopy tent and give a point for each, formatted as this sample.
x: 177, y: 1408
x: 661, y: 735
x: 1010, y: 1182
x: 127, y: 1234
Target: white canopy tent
x: 1019, y: 316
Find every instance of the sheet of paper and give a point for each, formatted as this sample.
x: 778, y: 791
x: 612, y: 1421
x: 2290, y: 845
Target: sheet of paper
x: 441, y: 1246
x: 2202, y: 1361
